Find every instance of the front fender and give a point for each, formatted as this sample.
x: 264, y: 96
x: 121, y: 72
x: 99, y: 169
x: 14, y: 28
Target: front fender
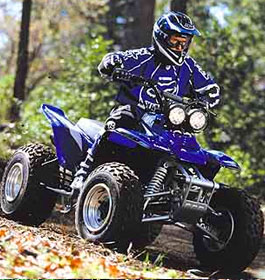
x: 223, y: 159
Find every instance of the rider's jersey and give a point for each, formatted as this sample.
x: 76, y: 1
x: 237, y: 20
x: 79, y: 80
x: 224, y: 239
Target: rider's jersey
x: 173, y: 79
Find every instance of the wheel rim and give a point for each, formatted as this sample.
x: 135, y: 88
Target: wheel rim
x: 14, y: 182
x: 97, y: 208
x: 223, y: 230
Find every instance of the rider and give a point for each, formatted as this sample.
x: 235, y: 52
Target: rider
x: 168, y: 63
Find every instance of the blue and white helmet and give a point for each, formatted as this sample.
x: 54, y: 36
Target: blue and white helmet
x: 172, y: 35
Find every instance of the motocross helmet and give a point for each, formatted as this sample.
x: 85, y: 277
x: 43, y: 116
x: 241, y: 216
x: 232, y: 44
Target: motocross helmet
x: 172, y: 35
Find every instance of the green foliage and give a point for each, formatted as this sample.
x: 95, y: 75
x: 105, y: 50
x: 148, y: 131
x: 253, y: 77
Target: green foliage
x: 161, y: 7
x: 78, y: 90
x: 6, y: 85
x: 234, y: 54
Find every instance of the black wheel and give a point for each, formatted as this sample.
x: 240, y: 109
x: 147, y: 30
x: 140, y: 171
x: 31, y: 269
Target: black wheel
x: 109, y: 207
x: 146, y: 234
x: 23, y: 199
x: 239, y: 228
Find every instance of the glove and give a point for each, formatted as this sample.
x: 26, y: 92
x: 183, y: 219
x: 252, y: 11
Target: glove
x: 211, y: 96
x: 108, y: 63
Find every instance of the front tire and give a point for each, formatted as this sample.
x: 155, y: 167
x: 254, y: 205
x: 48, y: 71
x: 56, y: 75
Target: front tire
x: 240, y: 229
x: 109, y: 207
x: 22, y: 197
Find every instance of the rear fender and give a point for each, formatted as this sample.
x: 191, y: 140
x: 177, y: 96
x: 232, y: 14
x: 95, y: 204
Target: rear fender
x: 70, y: 142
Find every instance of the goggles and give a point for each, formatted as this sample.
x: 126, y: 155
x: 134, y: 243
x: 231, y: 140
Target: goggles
x: 179, y: 42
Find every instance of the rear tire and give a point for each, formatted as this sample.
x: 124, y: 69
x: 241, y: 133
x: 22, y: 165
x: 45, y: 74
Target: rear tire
x: 23, y: 199
x: 243, y: 241
x: 109, y: 207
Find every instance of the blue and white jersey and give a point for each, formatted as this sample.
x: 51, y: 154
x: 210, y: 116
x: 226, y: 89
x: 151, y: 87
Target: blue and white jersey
x: 171, y: 78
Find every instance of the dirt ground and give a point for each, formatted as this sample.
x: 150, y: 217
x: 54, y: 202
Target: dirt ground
x: 176, y: 244
x: 173, y: 244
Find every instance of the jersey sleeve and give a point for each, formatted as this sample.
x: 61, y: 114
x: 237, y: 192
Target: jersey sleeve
x: 133, y: 59
x: 130, y: 60
x: 203, y: 84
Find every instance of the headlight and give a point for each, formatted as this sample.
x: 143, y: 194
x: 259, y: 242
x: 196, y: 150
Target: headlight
x: 198, y: 120
x: 177, y: 115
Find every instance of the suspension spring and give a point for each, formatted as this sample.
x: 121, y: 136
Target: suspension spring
x: 157, y: 181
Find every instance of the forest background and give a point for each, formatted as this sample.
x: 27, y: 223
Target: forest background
x: 50, y: 50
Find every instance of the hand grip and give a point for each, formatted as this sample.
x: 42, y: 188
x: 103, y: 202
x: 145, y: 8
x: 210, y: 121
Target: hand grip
x: 121, y: 75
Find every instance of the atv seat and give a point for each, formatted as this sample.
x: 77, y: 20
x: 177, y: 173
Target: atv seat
x: 90, y: 127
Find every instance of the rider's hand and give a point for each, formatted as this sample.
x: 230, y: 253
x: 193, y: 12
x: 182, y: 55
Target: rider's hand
x: 108, y: 64
x: 211, y: 96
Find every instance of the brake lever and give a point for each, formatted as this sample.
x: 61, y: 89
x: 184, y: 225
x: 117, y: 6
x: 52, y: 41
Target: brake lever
x: 207, y: 107
x: 212, y: 113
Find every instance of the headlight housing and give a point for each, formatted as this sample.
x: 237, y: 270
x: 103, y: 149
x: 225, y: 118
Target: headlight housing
x: 177, y: 115
x: 198, y: 119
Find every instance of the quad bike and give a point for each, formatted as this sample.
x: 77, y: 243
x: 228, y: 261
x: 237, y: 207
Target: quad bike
x: 141, y: 180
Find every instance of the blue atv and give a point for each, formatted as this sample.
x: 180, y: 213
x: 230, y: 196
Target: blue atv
x: 141, y: 179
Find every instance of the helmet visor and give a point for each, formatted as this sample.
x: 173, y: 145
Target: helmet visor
x: 179, y: 42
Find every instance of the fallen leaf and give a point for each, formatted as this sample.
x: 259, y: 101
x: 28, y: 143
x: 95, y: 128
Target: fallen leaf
x: 113, y: 270
x: 3, y: 232
x: 75, y: 263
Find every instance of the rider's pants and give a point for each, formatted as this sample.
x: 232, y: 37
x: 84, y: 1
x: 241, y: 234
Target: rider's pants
x: 121, y: 116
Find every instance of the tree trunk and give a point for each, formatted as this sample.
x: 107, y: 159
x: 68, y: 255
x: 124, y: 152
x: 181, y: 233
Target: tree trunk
x: 130, y: 22
x: 178, y: 5
x: 22, y: 59
x: 140, y: 27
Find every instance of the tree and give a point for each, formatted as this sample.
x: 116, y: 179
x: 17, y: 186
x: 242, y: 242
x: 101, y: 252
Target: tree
x: 130, y: 23
x: 65, y: 48
x: 139, y: 29
x: 78, y: 90
x: 9, y: 39
x: 22, y: 59
x: 178, y: 5
x: 234, y: 54
x: 54, y: 26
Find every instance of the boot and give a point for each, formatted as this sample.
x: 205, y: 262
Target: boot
x: 83, y: 172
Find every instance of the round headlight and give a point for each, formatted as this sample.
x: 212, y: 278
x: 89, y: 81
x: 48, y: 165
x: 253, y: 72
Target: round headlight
x: 198, y: 120
x: 177, y: 115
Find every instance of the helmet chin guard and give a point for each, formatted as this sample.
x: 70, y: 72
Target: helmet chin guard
x: 173, y: 57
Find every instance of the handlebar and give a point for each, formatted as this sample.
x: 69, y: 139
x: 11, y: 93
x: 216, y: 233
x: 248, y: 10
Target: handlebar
x: 122, y: 75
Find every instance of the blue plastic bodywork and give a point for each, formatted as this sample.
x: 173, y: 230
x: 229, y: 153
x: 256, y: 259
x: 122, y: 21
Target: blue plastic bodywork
x: 183, y: 146
x: 223, y: 159
x: 72, y: 142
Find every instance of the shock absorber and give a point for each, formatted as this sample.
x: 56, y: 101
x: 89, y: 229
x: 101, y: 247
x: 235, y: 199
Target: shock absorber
x: 157, y: 181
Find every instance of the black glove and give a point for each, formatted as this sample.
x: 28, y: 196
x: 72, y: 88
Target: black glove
x: 108, y: 63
